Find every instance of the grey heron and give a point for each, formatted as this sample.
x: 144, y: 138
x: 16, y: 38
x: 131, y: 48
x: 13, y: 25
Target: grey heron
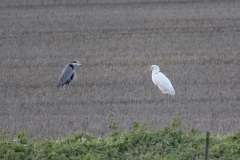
x: 68, y: 73
x: 161, y: 80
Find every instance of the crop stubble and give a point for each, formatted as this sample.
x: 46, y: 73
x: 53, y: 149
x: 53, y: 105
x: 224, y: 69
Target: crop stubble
x: 196, y: 44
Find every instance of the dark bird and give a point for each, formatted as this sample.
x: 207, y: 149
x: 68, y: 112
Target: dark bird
x: 68, y: 73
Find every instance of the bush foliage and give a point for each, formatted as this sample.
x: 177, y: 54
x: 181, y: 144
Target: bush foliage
x: 139, y: 143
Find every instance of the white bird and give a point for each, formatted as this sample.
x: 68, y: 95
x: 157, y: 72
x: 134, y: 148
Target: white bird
x: 161, y: 80
x: 68, y: 73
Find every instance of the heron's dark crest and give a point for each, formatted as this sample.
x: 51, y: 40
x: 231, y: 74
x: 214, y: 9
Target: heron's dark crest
x: 74, y: 62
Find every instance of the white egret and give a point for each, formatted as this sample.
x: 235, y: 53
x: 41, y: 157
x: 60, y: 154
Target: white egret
x: 68, y: 73
x: 161, y: 80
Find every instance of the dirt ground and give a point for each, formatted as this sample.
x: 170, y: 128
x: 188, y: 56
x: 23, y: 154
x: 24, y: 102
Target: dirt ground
x: 195, y: 43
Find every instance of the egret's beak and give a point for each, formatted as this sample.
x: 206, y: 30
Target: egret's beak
x: 149, y: 69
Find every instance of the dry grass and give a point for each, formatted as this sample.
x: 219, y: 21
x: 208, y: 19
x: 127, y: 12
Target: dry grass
x: 196, y: 45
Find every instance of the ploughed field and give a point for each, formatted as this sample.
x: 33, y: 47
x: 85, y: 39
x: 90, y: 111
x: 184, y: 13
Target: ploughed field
x: 195, y: 43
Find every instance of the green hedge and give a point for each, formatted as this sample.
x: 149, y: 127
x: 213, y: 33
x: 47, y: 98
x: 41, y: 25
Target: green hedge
x: 139, y: 143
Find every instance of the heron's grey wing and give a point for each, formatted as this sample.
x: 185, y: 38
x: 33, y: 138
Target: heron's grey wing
x: 66, y: 74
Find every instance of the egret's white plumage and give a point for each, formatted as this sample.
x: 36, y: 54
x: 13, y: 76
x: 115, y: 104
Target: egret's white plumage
x: 161, y: 80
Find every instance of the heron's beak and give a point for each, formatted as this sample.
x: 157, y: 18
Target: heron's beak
x: 149, y: 69
x: 82, y: 63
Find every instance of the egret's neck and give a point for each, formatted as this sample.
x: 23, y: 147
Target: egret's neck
x: 155, y: 71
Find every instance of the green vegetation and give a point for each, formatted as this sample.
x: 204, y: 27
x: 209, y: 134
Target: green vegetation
x: 139, y: 143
